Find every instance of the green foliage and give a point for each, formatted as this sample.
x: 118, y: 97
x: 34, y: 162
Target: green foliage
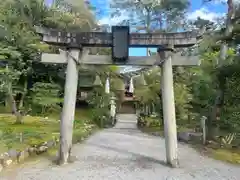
x: 99, y: 100
x: 150, y: 95
x: 231, y: 115
x: 46, y: 95
x: 183, y: 98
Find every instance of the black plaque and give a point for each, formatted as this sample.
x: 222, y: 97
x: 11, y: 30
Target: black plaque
x: 120, y: 43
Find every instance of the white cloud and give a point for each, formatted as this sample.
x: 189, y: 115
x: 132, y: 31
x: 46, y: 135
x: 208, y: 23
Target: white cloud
x: 225, y: 1
x: 204, y: 13
x: 112, y: 21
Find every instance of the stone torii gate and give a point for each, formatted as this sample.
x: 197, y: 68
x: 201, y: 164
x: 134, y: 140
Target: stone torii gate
x: 119, y: 40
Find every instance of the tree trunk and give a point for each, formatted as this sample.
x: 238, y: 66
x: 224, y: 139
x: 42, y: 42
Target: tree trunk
x: 19, y: 117
x: 219, y: 101
x: 20, y: 104
x: 160, y: 21
x: 7, y: 104
x: 153, y: 108
x: 148, y: 109
x: 23, y: 95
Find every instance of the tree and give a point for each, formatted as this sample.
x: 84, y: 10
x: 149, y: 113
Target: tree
x: 20, y: 47
x: 78, y: 13
x: 151, y: 15
x: 219, y: 101
x: 218, y: 53
x: 46, y: 95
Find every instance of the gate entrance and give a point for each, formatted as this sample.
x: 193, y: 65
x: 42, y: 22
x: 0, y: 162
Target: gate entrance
x: 76, y: 53
x: 127, y: 107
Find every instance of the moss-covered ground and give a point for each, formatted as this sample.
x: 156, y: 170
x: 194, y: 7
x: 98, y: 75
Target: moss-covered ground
x: 37, y: 130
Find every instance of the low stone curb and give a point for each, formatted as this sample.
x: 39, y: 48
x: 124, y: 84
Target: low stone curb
x: 182, y: 136
x: 15, y: 157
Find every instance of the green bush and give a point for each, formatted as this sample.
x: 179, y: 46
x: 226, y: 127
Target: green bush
x: 147, y: 121
x: 100, y: 116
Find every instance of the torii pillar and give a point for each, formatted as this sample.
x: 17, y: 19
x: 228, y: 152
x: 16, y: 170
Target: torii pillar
x: 169, y: 114
x: 68, y: 111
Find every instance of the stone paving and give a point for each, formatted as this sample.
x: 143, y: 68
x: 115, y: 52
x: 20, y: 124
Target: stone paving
x: 124, y: 153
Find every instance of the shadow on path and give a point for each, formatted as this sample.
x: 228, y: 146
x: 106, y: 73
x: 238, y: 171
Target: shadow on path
x: 138, y: 156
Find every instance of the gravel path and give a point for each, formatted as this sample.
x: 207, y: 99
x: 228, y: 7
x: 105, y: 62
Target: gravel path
x: 125, y: 153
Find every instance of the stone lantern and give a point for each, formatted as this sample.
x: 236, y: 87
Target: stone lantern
x: 113, y: 107
x: 86, y: 80
x: 97, y: 81
x: 142, y: 80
